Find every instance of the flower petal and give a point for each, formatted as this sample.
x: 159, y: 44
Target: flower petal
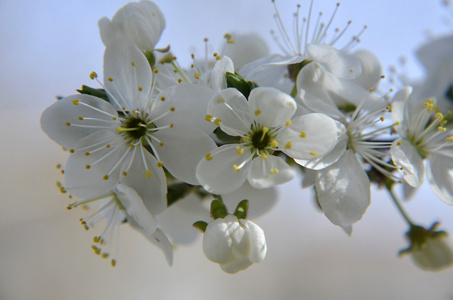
x: 309, y: 136
x: 61, y: 121
x: 161, y: 240
x: 344, y: 190
x: 265, y: 173
x: 224, y: 170
x: 371, y: 69
x: 440, y: 177
x: 270, y: 107
x: 217, y: 240
x: 257, y: 241
x: 183, y: 146
x: 218, y: 78
x: 231, y: 107
x: 127, y: 75
x: 408, y: 162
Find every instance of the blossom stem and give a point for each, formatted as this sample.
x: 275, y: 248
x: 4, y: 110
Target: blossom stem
x: 400, y: 208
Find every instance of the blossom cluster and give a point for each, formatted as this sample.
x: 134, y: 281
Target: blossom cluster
x: 156, y: 141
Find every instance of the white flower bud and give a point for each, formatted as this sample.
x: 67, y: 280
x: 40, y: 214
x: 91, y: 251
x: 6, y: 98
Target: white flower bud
x: 436, y: 254
x: 234, y: 244
x: 142, y: 22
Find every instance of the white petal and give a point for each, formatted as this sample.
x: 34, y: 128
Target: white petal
x: 260, y: 200
x: 127, y: 75
x: 408, y: 162
x: 336, y: 61
x: 218, y: 78
x: 237, y: 265
x: 440, y: 177
x: 218, y: 174
x: 344, y: 190
x: 137, y: 214
x: 270, y: 107
x: 84, y: 173
x: 246, y: 48
x: 257, y: 241
x: 399, y: 110
x: 147, y: 179
x: 161, y: 240
x: 308, y: 136
x: 184, y: 145
x: 371, y: 69
x: 55, y: 119
x: 190, y: 102
x: 309, y: 178
x: 217, y: 240
x: 231, y: 107
x: 436, y: 255
x: 273, y: 170
x: 106, y: 30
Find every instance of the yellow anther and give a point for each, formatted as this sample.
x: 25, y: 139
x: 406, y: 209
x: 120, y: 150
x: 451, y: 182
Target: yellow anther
x: 67, y: 124
x: 140, y: 89
x: 399, y: 143
x: 218, y: 57
x: 220, y: 100
x: 208, y: 118
x: 113, y: 118
x: 80, y: 118
x: 93, y: 75
x: 161, y: 144
x: 208, y: 156
x: 106, y: 177
x: 172, y: 109
x: 162, y: 98
x: 75, y: 101
x: 288, y: 145
x: 227, y: 36
x: 105, y: 255
x: 96, y: 239
x: 264, y: 156
x: 156, y: 71
x: 245, y: 139
x: 350, y: 70
x: 288, y: 123
x: 148, y: 174
x: 113, y: 262
x: 273, y: 171
x: 235, y: 167
x: 441, y: 128
x: 382, y: 119
x: 388, y: 106
x: 215, y: 54
x: 197, y: 75
x: 179, y: 80
x: 133, y: 64
x: 87, y: 167
x: 265, y: 130
x: 87, y: 153
x: 371, y: 90
x: 443, y: 123
x: 231, y: 42
x: 110, y: 79
x: 449, y: 139
x: 314, y: 153
x: 439, y: 116
x: 71, y: 150
x: 171, y: 125
x: 107, y: 146
x: 303, y: 134
x: 62, y: 190
x: 217, y: 121
x: 239, y: 150
x: 257, y: 112
x: 274, y: 144
x: 124, y: 173
x: 160, y: 164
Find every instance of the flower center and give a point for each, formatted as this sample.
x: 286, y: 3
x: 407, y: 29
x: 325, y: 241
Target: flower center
x: 260, y: 138
x: 135, y: 125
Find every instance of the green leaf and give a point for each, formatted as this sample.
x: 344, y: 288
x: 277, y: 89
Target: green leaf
x: 236, y: 81
x: 223, y: 137
x: 177, y: 191
x: 100, y: 93
x: 294, y: 69
x: 150, y: 57
x: 201, y: 225
x: 242, y: 209
x: 218, y: 210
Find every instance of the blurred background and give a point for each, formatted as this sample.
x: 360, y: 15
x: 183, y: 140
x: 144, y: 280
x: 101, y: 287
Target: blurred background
x: 48, y: 48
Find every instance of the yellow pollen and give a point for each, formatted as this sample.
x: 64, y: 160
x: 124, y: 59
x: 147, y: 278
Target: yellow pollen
x: 218, y: 57
x: 80, y: 118
x: 114, y: 118
x: 264, y: 156
x: 314, y: 153
x: 140, y: 89
x: 371, y: 90
x: 382, y: 119
x: 274, y: 171
x: 148, y: 174
x: 388, y: 106
x: 160, y: 164
x: 208, y: 156
x: 172, y: 109
x: 106, y: 177
x: 87, y: 153
x: 235, y: 167
x: 208, y: 118
x: 288, y: 123
x: 71, y: 150
x: 162, y: 98
x: 217, y: 121
x: 449, y: 139
x: 439, y: 116
x: 231, y: 42
x: 124, y: 173
x: 171, y: 125
x: 257, y: 112
x: 105, y: 255
x: 113, y: 262
x: 350, y: 70
x: 274, y: 144
x: 215, y: 54
x: 110, y: 79
x: 197, y: 75
x: 107, y: 146
x: 93, y: 75
x: 161, y: 144
x: 245, y: 139
x: 179, y: 80
x: 96, y: 239
x: 288, y: 145
x: 156, y: 71
x: 87, y: 167
x: 133, y: 64
x: 68, y: 124
x: 75, y: 101
x: 303, y: 134
x: 442, y: 128
x: 239, y: 150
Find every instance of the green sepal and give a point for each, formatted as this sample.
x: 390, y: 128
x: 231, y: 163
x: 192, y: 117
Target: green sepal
x: 237, y: 82
x: 223, y: 137
x: 150, y: 57
x: 100, y: 93
x: 294, y: 69
x: 218, y: 210
x: 177, y: 191
x: 202, y: 225
x: 242, y: 209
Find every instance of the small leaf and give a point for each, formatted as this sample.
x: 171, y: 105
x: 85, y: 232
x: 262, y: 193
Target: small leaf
x: 294, y: 69
x: 242, y: 209
x: 150, y: 57
x: 236, y: 81
x: 200, y: 225
x: 177, y: 191
x: 218, y: 210
x: 223, y: 137
x: 100, y: 93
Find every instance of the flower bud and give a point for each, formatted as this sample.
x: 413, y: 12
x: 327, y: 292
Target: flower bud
x: 234, y: 243
x: 436, y: 254
x: 142, y: 22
